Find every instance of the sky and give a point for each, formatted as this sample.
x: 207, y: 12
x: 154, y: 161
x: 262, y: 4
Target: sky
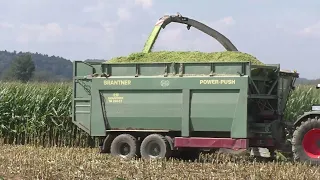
x: 276, y: 32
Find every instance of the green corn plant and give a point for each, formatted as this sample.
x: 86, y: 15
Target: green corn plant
x: 38, y: 113
x: 300, y: 101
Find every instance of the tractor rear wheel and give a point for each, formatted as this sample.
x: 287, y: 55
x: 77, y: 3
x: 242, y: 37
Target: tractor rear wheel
x: 124, y: 145
x: 306, y: 142
x: 155, y: 146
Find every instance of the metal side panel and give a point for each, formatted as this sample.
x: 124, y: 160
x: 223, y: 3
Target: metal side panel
x: 220, y: 110
x: 82, y: 104
x: 140, y: 110
x: 159, y: 103
x: 82, y: 114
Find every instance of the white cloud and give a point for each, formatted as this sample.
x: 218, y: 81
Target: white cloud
x: 53, y: 32
x: 311, y: 31
x: 37, y: 32
x: 6, y: 25
x: 123, y: 14
x: 144, y: 3
x: 49, y: 32
x: 222, y: 24
x: 228, y: 20
x: 23, y: 38
x: 88, y: 34
x: 101, y: 10
x: 109, y: 27
x: 93, y: 8
x: 170, y: 36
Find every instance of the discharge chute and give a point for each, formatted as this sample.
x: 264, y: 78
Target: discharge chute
x: 165, y: 20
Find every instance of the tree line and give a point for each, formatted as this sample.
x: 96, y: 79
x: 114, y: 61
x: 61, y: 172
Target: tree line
x: 46, y: 68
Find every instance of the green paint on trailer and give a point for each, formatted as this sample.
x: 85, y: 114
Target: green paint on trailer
x: 185, y: 124
x: 160, y: 103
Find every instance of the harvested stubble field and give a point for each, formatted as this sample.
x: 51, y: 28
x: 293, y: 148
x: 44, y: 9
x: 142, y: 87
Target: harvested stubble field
x: 27, y: 162
x: 37, y: 114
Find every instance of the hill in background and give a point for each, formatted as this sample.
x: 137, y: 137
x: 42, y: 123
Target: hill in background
x: 305, y: 81
x: 48, y: 68
x: 55, y: 68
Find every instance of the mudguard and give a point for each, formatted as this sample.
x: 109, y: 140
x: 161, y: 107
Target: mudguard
x: 305, y: 117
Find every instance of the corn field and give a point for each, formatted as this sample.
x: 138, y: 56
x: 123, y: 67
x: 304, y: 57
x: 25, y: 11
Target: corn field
x: 301, y: 100
x: 39, y: 113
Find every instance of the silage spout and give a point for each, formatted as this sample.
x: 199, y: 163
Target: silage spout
x: 167, y: 19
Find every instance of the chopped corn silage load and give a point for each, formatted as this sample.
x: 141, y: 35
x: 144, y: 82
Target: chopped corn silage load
x: 186, y: 56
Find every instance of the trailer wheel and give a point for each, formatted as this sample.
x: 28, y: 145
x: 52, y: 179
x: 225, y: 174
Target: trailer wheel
x: 124, y: 145
x: 155, y: 146
x: 306, y: 142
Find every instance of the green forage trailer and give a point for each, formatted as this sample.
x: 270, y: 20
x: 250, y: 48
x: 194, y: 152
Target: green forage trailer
x: 162, y: 109
x: 153, y: 110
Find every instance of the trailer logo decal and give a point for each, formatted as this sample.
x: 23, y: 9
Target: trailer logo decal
x: 115, y: 98
x: 221, y: 81
x: 117, y: 82
x: 164, y: 83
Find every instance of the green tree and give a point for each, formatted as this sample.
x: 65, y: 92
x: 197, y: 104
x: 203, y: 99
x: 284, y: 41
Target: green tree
x: 22, y: 68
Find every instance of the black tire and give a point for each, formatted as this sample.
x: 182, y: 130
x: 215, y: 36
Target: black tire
x: 155, y: 146
x: 308, y: 130
x: 121, y: 144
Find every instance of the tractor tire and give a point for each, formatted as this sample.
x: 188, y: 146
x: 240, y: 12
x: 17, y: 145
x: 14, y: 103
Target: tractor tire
x: 155, y: 146
x: 124, y: 145
x: 306, y: 142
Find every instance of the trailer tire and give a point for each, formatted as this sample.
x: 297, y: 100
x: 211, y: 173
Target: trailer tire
x: 161, y: 145
x: 304, y: 138
x: 126, y: 140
